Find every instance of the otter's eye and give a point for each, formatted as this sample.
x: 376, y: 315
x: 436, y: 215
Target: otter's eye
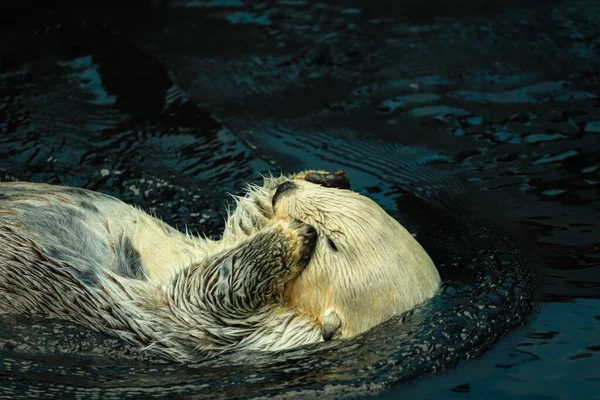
x: 332, y: 245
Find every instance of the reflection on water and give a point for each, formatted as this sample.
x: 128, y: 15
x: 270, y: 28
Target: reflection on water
x: 475, y: 127
x: 558, y: 359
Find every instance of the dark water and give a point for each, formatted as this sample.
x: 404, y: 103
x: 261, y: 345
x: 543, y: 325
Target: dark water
x: 474, y: 124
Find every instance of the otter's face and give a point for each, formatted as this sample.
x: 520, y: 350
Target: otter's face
x: 365, y: 268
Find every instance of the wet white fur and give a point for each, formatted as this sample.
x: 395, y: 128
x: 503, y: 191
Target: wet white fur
x: 378, y: 270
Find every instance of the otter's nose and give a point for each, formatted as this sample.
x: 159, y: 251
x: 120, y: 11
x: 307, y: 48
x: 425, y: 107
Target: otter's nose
x: 337, y: 180
x: 281, y: 189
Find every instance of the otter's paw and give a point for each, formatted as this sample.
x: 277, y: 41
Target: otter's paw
x: 302, y: 240
x: 324, y: 178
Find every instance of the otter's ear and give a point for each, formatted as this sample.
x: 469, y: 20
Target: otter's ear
x: 331, y: 325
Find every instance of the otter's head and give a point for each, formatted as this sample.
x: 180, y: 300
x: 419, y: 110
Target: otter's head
x: 366, y: 267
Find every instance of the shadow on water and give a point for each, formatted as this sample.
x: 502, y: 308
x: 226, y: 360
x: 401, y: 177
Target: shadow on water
x: 458, y: 120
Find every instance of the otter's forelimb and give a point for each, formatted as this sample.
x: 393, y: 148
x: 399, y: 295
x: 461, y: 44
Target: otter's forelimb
x: 241, y: 280
x: 237, y: 291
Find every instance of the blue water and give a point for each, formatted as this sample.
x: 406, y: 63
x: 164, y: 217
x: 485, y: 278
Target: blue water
x: 475, y: 125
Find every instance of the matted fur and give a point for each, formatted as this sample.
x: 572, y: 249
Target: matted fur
x: 266, y: 285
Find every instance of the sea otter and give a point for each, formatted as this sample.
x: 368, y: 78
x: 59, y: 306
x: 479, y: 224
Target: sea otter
x: 302, y: 259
